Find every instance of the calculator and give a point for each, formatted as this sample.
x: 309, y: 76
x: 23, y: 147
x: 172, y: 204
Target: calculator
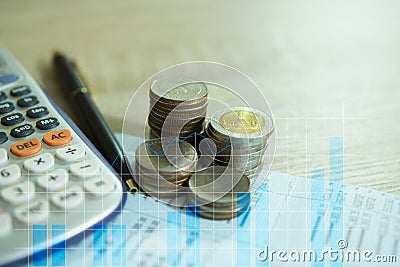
x: 50, y: 174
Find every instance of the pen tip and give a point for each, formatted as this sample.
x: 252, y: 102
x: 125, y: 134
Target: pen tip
x: 56, y: 53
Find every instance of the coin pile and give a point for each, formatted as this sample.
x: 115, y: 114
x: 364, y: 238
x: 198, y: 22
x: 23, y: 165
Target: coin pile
x: 219, y: 193
x: 241, y: 137
x: 177, y: 110
x: 162, y: 165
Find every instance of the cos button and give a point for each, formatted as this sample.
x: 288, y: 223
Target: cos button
x: 57, y: 138
x: 12, y: 119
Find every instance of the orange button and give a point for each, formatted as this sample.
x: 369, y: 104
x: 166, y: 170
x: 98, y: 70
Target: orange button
x: 26, y: 147
x: 57, y: 138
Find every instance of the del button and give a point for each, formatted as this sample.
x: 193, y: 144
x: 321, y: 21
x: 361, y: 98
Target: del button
x: 26, y: 147
x: 57, y: 138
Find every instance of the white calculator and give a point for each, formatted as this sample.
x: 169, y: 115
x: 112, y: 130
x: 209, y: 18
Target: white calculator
x: 50, y: 174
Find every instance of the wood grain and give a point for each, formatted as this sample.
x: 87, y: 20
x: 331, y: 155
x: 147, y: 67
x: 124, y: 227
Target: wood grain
x: 326, y: 68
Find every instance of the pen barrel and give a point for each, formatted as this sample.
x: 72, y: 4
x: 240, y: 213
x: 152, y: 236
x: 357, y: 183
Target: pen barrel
x: 91, y: 121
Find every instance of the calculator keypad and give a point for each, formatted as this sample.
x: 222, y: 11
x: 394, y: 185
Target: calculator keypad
x: 20, y: 91
x: 27, y: 101
x: 19, y: 193
x: 26, y: 148
x: 99, y: 186
x: 68, y: 199
x: 85, y: 169
x: 36, y: 113
x: 3, y: 155
x: 40, y: 163
x: 12, y: 119
x: 6, y: 107
x: 47, y: 124
x: 34, y: 212
x: 53, y: 180
x: 57, y: 138
x: 22, y: 131
x: 9, y: 174
x: 48, y: 175
x: 71, y: 153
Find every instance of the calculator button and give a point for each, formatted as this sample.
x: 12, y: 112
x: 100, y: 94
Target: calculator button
x: 34, y: 212
x: 12, y: 119
x: 6, y: 107
x: 38, y: 112
x: 71, y: 153
x: 9, y: 174
x: 3, y: 155
x: 27, y: 101
x: 39, y: 163
x: 3, y: 96
x: 26, y: 147
x: 6, y: 223
x: 19, y: 193
x: 3, y: 137
x: 22, y: 131
x: 47, y: 124
x: 53, y: 180
x: 20, y: 91
x: 85, y: 169
x: 68, y: 199
x: 57, y: 138
x: 99, y: 186
x: 8, y: 78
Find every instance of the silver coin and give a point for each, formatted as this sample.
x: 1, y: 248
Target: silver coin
x: 183, y: 127
x: 243, y: 122
x: 166, y: 155
x: 182, y: 92
x: 237, y: 201
x: 214, y: 216
x: 152, y: 175
x: 241, y: 158
x: 226, y: 142
x: 218, y: 183
x: 224, y: 210
x: 181, y: 112
x: 175, y: 133
x: 237, y: 150
x: 182, y: 120
x: 240, y: 166
x: 166, y: 104
x: 168, y: 176
x: 166, y: 131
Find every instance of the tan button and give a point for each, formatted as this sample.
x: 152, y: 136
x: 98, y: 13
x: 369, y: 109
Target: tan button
x: 57, y: 138
x: 26, y: 147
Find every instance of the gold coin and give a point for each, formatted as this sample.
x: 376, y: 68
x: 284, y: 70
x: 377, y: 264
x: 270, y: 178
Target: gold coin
x: 242, y: 121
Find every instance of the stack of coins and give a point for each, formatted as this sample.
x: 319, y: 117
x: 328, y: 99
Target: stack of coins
x: 219, y: 193
x: 162, y: 165
x: 177, y: 111
x: 241, y: 137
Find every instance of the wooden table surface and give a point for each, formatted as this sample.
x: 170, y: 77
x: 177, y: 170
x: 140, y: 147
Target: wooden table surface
x: 327, y: 68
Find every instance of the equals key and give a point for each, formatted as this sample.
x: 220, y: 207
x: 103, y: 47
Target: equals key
x: 85, y: 169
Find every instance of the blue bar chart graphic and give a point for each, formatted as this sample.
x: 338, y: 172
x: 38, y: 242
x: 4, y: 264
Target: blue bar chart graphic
x: 58, y: 250
x: 184, y: 229
x: 336, y: 194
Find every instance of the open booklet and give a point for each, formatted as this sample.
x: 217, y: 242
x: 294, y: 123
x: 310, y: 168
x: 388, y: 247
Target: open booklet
x: 291, y: 220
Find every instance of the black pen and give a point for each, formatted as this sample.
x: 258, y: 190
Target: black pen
x: 91, y: 121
